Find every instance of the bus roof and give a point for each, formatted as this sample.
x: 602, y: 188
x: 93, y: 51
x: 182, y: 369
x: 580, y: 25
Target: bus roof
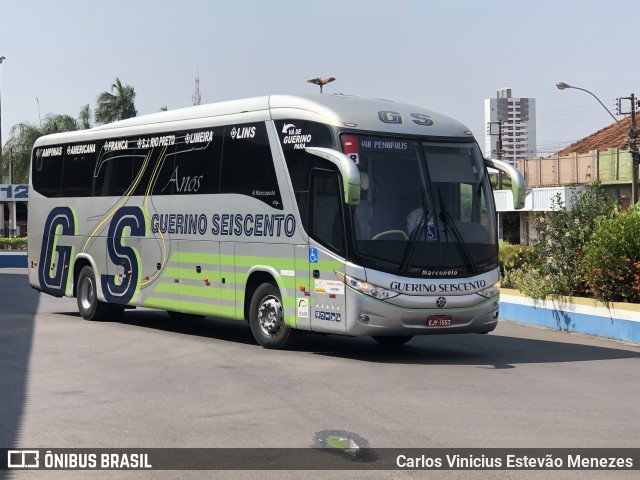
x: 337, y: 110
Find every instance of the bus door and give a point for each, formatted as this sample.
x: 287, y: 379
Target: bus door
x: 326, y: 252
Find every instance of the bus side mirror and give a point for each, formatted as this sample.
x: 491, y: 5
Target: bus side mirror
x: 518, y: 186
x: 348, y: 170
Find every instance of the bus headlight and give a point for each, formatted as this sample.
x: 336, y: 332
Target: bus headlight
x: 489, y: 292
x: 366, y: 287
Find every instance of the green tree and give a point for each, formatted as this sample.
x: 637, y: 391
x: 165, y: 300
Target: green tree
x: 21, y: 140
x: 117, y: 104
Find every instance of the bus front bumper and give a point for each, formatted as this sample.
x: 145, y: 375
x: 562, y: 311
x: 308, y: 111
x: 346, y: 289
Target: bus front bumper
x: 369, y: 316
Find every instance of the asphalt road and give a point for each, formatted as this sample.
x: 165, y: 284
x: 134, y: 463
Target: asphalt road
x: 149, y: 381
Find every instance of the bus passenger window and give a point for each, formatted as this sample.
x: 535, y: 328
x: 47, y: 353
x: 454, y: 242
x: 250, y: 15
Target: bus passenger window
x: 47, y: 171
x: 247, y: 164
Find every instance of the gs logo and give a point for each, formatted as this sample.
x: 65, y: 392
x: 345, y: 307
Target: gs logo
x: 122, y: 290
x: 386, y: 116
x: 55, y: 260
x: 53, y: 268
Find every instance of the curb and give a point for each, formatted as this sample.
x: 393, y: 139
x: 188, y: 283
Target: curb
x: 13, y: 259
x: 615, y: 320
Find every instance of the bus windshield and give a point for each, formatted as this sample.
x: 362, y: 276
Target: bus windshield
x: 425, y: 207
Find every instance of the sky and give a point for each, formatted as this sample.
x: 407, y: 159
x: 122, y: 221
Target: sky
x: 446, y: 55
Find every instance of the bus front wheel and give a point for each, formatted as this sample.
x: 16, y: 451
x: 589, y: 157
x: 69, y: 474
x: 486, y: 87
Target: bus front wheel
x: 266, y: 317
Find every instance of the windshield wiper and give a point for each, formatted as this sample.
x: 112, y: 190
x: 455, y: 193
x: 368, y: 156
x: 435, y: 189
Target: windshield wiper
x: 415, y: 234
x: 450, y: 224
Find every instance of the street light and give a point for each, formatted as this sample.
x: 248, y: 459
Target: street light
x: 2, y: 58
x: 562, y: 86
x: 632, y: 137
x: 321, y: 81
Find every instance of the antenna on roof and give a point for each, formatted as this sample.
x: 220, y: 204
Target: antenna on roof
x: 196, y: 97
x: 321, y: 81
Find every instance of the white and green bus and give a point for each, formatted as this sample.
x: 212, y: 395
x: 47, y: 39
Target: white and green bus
x: 324, y: 213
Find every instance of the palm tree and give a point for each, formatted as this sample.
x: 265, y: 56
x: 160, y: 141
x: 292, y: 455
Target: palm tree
x: 23, y: 136
x: 84, y: 117
x: 117, y: 104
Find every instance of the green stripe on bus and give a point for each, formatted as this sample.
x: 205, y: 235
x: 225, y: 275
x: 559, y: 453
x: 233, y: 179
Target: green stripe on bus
x: 197, y: 291
x: 191, y: 274
x: 187, y: 257
x: 192, y: 307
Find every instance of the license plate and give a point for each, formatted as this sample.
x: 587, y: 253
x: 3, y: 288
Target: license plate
x: 439, y: 320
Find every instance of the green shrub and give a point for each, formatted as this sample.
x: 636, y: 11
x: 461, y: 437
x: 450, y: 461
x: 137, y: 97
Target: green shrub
x: 19, y: 243
x: 611, y: 264
x: 554, y: 267
x: 511, y: 258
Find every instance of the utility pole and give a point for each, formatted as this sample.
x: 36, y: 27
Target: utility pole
x: 633, y: 146
x: 196, y: 97
x: 13, y: 228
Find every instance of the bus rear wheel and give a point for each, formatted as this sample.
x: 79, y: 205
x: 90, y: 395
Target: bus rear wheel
x: 89, y: 306
x: 393, y: 341
x: 266, y: 317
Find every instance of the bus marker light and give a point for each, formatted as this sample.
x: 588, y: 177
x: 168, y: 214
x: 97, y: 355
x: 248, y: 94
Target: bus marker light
x: 176, y: 280
x: 307, y: 294
x: 302, y: 288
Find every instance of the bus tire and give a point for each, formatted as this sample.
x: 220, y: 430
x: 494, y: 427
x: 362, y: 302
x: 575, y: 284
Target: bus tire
x: 89, y: 306
x: 266, y: 317
x: 393, y: 341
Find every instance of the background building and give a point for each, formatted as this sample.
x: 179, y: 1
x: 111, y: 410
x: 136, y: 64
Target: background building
x: 517, y: 119
x: 603, y: 156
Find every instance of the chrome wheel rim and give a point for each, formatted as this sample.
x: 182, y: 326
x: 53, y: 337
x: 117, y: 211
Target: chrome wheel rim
x: 87, y: 293
x: 270, y: 315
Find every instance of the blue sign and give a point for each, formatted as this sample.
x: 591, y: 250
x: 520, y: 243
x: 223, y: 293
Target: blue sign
x: 12, y: 193
x: 313, y: 255
x: 432, y: 232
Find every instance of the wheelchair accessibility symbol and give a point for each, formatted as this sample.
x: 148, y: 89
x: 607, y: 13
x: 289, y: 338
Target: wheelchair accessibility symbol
x: 313, y: 255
